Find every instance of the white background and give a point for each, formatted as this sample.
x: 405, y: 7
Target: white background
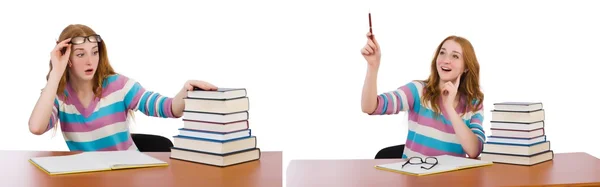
x: 301, y: 64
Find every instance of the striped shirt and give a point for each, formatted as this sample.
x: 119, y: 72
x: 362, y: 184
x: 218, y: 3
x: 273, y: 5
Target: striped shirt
x: 427, y: 135
x: 103, y: 125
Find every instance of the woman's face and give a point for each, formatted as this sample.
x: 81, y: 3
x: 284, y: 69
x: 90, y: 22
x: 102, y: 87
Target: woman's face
x: 84, y: 59
x: 450, y: 63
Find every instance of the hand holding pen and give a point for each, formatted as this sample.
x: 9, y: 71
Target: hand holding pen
x: 371, y: 50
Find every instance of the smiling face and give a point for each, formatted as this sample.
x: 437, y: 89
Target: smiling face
x: 454, y: 57
x: 84, y: 59
x: 449, y: 62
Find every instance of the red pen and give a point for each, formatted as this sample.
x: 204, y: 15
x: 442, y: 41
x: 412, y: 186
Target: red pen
x: 370, y: 26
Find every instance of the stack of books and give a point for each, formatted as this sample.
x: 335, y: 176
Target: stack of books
x: 216, y: 129
x: 517, y: 135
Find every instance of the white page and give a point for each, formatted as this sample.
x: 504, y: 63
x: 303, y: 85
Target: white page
x: 98, y: 160
x: 416, y: 168
x: 125, y: 158
x: 445, y: 163
x: 459, y: 162
x: 70, y: 163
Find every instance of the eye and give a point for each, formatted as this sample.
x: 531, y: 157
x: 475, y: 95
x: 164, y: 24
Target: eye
x: 80, y: 55
x: 455, y: 56
x: 441, y: 52
x: 96, y: 52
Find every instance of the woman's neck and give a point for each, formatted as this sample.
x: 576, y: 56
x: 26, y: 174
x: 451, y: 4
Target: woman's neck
x: 84, y: 87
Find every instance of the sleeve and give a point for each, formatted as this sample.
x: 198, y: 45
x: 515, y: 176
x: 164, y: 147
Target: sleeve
x: 54, y: 117
x: 401, y: 99
x: 137, y: 98
x: 475, y: 124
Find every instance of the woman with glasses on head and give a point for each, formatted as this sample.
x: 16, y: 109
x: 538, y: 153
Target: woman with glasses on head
x: 445, y: 112
x: 91, y: 101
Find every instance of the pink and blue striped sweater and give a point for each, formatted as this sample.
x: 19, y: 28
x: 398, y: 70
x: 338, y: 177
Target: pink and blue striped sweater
x: 428, y: 136
x: 103, y: 125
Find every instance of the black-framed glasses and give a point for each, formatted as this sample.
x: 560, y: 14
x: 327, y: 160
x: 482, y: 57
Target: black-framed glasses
x: 418, y: 160
x: 82, y: 39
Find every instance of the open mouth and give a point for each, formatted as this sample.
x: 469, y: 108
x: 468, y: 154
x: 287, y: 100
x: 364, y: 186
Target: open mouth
x: 89, y: 70
x: 446, y: 69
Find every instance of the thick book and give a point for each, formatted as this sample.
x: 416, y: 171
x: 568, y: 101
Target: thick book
x: 95, y: 161
x: 517, y: 126
x: 221, y: 160
x: 214, y: 146
x: 215, y: 117
x: 446, y: 163
x: 524, y: 150
x: 518, y: 116
x: 216, y: 127
x: 517, y: 134
x: 518, y: 106
x: 225, y: 106
x: 218, y: 136
x: 516, y: 141
x: 219, y: 94
x: 512, y: 159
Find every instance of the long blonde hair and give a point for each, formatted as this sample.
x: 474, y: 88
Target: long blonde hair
x: 103, y: 71
x: 469, y: 83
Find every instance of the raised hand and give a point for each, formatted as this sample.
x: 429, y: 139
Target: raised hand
x: 371, y: 51
x: 59, y: 56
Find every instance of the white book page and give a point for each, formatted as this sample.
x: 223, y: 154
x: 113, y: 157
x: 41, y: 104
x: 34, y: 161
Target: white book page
x: 416, y: 168
x: 126, y: 158
x: 445, y: 163
x: 460, y: 162
x: 70, y: 163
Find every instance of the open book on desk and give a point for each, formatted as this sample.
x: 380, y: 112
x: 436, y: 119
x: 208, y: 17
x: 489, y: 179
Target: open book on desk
x: 445, y: 163
x: 95, y: 161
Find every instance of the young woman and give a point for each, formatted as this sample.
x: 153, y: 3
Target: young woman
x: 445, y: 112
x: 92, y: 101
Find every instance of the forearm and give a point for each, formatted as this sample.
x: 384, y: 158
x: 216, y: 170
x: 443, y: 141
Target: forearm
x: 42, y: 112
x: 179, y: 103
x: 369, y: 92
x: 466, y: 137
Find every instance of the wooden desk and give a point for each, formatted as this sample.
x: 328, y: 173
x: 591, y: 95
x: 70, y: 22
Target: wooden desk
x: 572, y: 169
x: 267, y: 172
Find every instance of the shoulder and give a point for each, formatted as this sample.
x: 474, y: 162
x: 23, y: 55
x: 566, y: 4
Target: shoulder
x: 418, y: 84
x: 117, y: 82
x: 416, y: 87
x: 477, y: 104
